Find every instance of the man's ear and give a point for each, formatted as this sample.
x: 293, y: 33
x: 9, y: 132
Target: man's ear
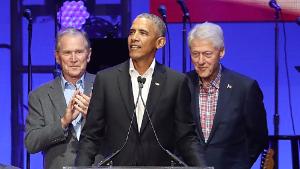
x: 89, y: 55
x: 160, y: 42
x: 57, y: 57
x: 222, y: 53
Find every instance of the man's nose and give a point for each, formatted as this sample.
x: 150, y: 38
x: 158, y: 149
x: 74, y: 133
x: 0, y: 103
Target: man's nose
x: 134, y: 36
x: 73, y: 57
x: 201, y: 60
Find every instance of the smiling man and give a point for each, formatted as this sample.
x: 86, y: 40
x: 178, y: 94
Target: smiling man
x: 57, y: 109
x: 227, y: 106
x: 113, y: 116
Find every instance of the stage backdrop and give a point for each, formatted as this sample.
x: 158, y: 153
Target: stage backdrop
x: 228, y: 10
x: 249, y: 50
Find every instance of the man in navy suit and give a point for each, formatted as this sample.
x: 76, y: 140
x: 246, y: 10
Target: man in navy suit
x: 227, y: 106
x: 112, y: 114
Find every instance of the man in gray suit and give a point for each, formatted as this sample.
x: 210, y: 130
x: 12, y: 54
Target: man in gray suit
x: 57, y: 110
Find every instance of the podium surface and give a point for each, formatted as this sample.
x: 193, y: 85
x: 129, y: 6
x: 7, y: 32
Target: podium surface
x: 137, y: 167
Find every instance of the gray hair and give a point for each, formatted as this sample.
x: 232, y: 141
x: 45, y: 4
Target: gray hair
x: 207, y: 31
x: 161, y: 26
x: 74, y: 32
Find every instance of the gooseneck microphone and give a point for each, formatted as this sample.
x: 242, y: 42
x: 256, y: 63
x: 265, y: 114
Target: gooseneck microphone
x: 163, y: 12
x: 184, y: 8
x: 141, y: 82
x: 273, y: 4
x: 108, y: 160
x: 27, y: 14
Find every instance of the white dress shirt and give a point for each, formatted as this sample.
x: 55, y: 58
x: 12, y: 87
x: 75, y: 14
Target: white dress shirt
x: 139, y: 110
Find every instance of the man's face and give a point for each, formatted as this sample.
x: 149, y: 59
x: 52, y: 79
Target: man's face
x: 143, y: 39
x: 73, y: 56
x: 205, y: 58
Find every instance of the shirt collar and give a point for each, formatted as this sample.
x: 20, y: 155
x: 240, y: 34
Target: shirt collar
x: 216, y: 81
x: 65, y: 84
x: 149, y: 71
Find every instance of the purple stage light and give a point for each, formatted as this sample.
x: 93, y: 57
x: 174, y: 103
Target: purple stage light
x: 72, y: 14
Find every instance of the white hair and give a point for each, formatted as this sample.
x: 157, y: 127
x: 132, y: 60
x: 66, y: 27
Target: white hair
x: 207, y: 31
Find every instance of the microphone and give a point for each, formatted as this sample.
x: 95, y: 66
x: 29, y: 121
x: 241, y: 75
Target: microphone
x: 27, y: 14
x: 108, y: 160
x: 273, y: 4
x: 141, y: 81
x: 163, y: 12
x: 184, y: 8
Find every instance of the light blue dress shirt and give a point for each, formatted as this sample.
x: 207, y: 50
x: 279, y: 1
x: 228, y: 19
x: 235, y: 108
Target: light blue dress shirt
x: 69, y: 90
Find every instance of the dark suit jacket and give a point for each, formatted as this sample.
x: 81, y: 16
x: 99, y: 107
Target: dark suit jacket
x: 239, y: 131
x: 110, y: 113
x: 44, y: 133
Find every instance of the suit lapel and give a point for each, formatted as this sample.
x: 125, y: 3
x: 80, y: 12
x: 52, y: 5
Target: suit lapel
x: 157, y: 84
x: 88, y: 83
x: 195, y: 102
x: 225, y: 91
x: 57, y: 97
x: 88, y: 86
x: 125, y: 88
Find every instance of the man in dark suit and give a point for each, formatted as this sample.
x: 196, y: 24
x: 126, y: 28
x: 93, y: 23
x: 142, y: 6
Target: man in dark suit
x: 114, y: 117
x: 57, y: 110
x: 228, y: 107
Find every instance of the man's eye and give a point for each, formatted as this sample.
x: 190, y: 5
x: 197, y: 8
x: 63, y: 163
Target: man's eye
x: 207, y: 54
x: 79, y: 51
x: 144, y: 33
x: 131, y: 32
x: 195, y: 54
x: 67, y: 52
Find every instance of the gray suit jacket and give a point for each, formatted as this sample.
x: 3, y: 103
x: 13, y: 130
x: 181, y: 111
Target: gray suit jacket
x: 44, y: 133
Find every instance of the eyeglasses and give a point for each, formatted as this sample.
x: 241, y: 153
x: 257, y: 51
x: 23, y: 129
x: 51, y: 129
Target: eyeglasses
x: 76, y: 52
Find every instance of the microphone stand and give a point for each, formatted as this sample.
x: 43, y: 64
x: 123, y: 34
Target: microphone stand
x: 108, y: 161
x: 185, y: 18
x: 174, y: 159
x: 276, y: 117
x: 169, y: 45
x: 29, y: 66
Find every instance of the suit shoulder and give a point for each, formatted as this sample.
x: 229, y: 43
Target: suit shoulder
x: 174, y: 74
x: 192, y: 75
x: 112, y: 69
x: 238, y: 77
x: 43, y: 88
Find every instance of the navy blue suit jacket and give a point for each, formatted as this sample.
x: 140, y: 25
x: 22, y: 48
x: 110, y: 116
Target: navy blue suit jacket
x: 239, y: 131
